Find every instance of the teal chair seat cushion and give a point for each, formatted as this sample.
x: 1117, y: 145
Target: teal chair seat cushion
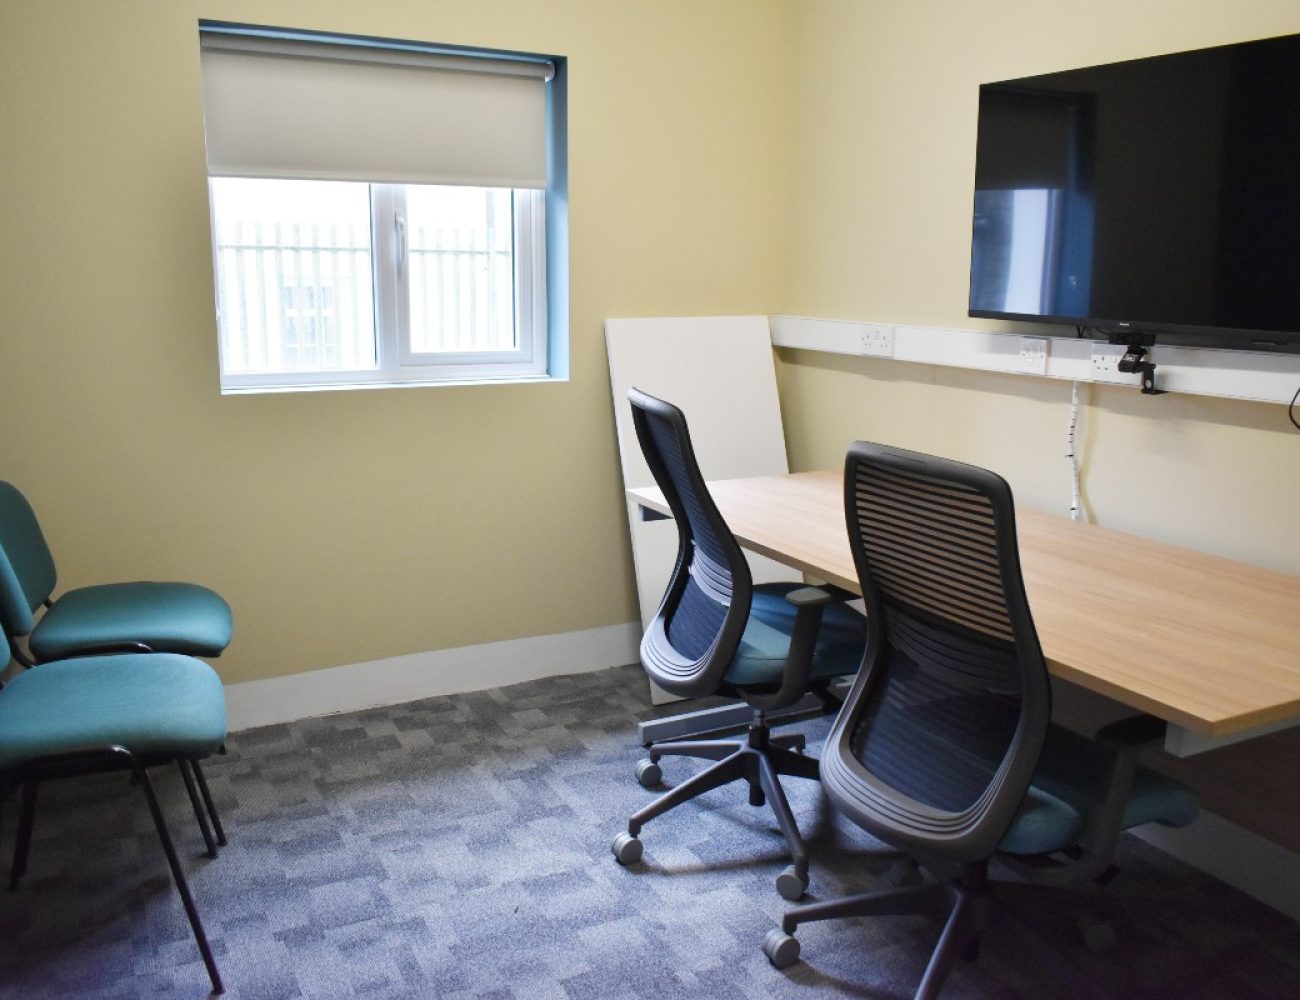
x: 760, y: 658
x: 149, y: 703
x: 967, y: 734
x: 167, y: 617
x: 1072, y: 775
x: 1071, y: 779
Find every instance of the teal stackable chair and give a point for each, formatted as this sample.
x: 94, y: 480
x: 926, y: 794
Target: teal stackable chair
x: 151, y: 617
x: 109, y: 618
x: 124, y: 712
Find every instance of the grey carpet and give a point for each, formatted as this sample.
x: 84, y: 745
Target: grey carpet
x: 459, y: 847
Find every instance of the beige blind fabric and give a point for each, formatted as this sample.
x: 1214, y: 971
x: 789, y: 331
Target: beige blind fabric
x: 322, y: 111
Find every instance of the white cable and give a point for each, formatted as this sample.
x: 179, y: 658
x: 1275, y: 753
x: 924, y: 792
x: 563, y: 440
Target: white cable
x: 1072, y: 454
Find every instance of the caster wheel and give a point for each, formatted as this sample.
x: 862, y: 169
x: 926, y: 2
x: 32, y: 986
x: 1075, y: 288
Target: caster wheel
x: 781, y: 949
x: 627, y: 849
x: 649, y: 773
x: 904, y: 876
x: 1097, y: 933
x: 791, y: 885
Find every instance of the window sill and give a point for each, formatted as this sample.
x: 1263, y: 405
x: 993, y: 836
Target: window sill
x: 257, y: 390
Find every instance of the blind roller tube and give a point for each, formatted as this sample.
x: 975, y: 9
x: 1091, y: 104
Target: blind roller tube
x: 321, y: 111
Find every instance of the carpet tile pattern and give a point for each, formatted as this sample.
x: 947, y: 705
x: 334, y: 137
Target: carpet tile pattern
x: 458, y: 847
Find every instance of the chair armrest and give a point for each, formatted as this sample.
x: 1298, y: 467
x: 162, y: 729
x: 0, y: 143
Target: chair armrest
x: 809, y: 603
x: 1126, y: 739
x: 806, y: 597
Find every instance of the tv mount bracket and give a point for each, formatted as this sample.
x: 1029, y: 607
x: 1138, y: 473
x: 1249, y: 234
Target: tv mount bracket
x: 1134, y: 360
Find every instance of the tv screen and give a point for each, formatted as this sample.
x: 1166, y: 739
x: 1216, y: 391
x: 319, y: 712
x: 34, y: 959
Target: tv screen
x: 1158, y: 195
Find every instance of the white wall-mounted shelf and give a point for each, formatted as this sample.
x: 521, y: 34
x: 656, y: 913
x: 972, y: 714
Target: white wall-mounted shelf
x: 1269, y: 378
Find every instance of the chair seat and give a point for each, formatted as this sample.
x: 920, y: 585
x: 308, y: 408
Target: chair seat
x: 935, y: 742
x: 1072, y: 775
x: 149, y: 703
x: 760, y: 658
x: 167, y: 617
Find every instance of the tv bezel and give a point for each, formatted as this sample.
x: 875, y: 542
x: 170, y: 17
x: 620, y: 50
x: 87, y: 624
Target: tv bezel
x: 1134, y: 329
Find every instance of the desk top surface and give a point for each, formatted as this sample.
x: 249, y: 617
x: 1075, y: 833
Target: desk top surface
x: 1199, y: 640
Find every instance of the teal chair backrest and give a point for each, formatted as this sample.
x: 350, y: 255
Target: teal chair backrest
x: 27, y: 574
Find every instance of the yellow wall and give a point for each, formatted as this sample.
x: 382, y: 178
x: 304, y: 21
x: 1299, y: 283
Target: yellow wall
x: 347, y: 526
x: 806, y: 156
x: 884, y: 133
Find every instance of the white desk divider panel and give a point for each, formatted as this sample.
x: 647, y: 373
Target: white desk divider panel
x: 720, y: 371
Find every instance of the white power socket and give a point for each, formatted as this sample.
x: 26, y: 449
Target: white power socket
x: 877, y: 341
x: 1033, y: 355
x: 1105, y: 363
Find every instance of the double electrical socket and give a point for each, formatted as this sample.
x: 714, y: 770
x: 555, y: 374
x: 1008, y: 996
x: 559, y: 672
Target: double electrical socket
x: 876, y: 340
x: 1105, y: 364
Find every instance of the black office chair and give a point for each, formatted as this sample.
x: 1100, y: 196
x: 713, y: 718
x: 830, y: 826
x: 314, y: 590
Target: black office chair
x: 944, y: 748
x: 715, y: 632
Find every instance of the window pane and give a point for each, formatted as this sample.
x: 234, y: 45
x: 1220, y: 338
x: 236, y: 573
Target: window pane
x: 294, y: 278
x: 460, y: 251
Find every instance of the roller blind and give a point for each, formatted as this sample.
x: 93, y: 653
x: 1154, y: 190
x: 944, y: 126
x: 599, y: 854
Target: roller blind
x: 276, y: 107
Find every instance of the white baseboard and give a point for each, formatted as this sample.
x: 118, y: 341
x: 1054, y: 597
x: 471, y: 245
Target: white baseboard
x: 423, y: 675
x: 1244, y: 860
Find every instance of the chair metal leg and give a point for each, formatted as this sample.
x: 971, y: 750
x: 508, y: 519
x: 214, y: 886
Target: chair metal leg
x: 23, y: 839
x: 966, y: 918
x: 178, y: 876
x: 706, y: 749
x: 207, y: 800
x: 892, y: 902
x: 796, y: 765
x: 957, y: 933
x: 197, y: 806
x: 715, y: 776
x: 784, y: 816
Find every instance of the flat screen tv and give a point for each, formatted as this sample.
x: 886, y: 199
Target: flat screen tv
x: 1152, y: 197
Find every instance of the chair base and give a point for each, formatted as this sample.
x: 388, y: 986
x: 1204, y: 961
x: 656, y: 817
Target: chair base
x: 968, y: 900
x: 759, y: 761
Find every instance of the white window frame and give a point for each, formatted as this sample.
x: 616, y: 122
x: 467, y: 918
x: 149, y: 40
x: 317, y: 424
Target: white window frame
x: 396, y: 363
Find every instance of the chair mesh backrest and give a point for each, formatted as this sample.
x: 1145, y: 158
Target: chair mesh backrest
x: 710, y: 589
x: 952, y: 709
x: 27, y: 575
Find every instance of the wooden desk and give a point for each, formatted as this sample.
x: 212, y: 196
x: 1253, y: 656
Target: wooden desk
x: 1209, y: 644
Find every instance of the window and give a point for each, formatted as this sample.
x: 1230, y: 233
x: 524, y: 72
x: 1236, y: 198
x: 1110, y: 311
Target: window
x: 379, y: 213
